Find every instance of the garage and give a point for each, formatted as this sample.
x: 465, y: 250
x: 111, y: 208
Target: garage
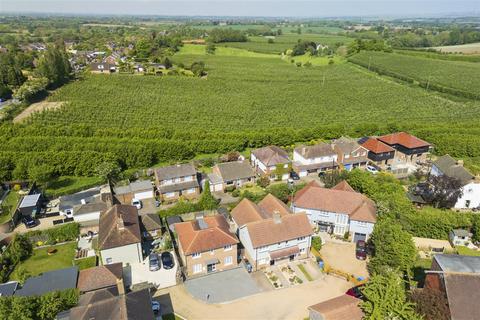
x: 359, y: 236
x: 141, y: 190
x: 144, y: 195
x: 216, y: 183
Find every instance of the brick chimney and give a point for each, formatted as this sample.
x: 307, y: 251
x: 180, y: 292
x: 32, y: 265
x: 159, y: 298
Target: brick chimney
x: 276, y: 217
x: 120, y: 222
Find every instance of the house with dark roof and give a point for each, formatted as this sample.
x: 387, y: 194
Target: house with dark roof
x: 458, y: 278
x: 344, y: 307
x: 85, y: 206
x: 206, y: 245
x: 108, y: 304
x: 337, y: 210
x: 141, y: 190
x: 271, y: 161
x: 119, y: 237
x: 379, y: 153
x: 270, y: 233
x: 409, y: 148
x: 30, y: 205
x: 314, y: 159
x: 100, y: 277
x: 103, y: 67
x: 150, y: 226
x: 177, y: 181
x: 231, y: 174
x: 56, y: 280
x: 350, y: 154
x: 448, y: 166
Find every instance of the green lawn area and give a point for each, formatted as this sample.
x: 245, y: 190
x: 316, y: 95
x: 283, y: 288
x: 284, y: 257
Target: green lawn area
x: 317, y: 61
x: 8, y: 205
x: 195, y: 49
x: 255, y: 189
x: 66, y: 185
x: 464, y: 251
x: 86, y: 263
x: 305, y: 273
x: 41, y: 262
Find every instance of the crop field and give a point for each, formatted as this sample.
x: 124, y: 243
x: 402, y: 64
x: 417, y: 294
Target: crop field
x: 195, y: 49
x: 286, y: 41
x: 460, y: 77
x: 470, y: 48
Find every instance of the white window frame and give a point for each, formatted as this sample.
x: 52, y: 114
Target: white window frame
x: 228, y: 261
x: 108, y: 260
x: 197, y: 268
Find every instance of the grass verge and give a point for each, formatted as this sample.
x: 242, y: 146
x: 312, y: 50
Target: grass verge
x: 305, y: 273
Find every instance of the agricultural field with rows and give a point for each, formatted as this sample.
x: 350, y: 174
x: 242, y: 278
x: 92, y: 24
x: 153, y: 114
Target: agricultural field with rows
x: 461, y: 77
x: 244, y: 102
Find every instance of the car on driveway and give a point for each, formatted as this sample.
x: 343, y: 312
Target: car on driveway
x: 361, y: 250
x: 29, y: 222
x: 167, y: 260
x: 156, y: 307
x: 154, y: 262
x: 372, y: 169
x: 137, y: 203
x: 294, y: 175
x: 355, y: 291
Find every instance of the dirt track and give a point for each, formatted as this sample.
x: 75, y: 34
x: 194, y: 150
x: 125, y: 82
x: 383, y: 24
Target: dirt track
x: 37, y: 107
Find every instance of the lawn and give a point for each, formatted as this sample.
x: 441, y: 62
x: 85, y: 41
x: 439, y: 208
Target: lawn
x: 465, y: 251
x: 86, y: 263
x: 305, y: 272
x: 9, y: 205
x: 223, y: 51
x: 41, y: 262
x: 67, y: 185
x: 317, y: 61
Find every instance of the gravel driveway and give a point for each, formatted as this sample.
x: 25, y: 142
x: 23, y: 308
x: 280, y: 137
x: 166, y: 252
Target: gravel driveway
x: 341, y: 256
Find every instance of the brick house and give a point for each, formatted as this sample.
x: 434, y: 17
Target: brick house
x: 379, y: 153
x: 176, y: 181
x: 267, y: 161
x: 350, y: 154
x: 313, y: 159
x: 409, y: 148
x: 206, y: 245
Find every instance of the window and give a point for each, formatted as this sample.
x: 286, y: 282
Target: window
x: 301, y: 239
x: 467, y: 203
x: 196, y: 255
x: 302, y: 250
x: 197, y: 268
x: 227, y: 247
x: 169, y: 194
x: 212, y: 251
x: 228, y: 260
x: 109, y: 260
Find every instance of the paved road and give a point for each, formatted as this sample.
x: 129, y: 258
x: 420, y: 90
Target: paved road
x: 289, y: 303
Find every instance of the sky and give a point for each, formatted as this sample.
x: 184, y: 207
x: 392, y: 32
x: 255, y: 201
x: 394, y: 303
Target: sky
x: 279, y: 8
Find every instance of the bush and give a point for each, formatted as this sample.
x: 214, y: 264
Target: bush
x: 263, y: 181
x: 280, y: 191
x: 67, y: 232
x: 235, y: 193
x: 317, y: 243
x: 18, y: 250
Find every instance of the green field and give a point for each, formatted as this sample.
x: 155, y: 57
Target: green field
x: 286, y: 41
x: 245, y: 102
x: 457, y: 75
x: 9, y: 204
x: 67, y: 185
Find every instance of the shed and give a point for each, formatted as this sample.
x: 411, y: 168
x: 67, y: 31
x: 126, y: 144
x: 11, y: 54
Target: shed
x: 460, y: 237
x: 30, y: 205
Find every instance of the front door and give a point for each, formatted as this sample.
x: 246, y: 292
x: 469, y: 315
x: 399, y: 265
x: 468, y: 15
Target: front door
x: 292, y: 257
x: 211, y: 267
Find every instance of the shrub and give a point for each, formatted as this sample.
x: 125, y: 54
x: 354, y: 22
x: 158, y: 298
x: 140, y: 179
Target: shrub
x: 317, y: 243
x: 263, y: 181
x: 66, y: 232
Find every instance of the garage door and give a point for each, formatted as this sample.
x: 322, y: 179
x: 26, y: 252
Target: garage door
x: 359, y: 236
x: 144, y: 195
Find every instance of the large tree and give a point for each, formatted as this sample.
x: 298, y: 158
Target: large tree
x: 54, y: 66
x: 443, y: 191
x: 385, y: 299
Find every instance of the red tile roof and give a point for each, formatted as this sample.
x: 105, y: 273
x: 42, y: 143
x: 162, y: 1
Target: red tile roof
x: 404, y: 139
x: 99, y: 277
x: 356, y: 205
x: 343, y: 185
x: 340, y: 308
x: 376, y: 146
x: 194, y: 239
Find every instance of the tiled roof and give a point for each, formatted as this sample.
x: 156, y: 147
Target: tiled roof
x: 319, y: 150
x: 354, y: 204
x: 271, y: 231
x: 271, y: 155
x: 140, y: 185
x: 247, y: 211
x: 235, y: 170
x: 404, y: 139
x: 175, y: 171
x: 271, y: 204
x: 344, y: 307
x: 463, y: 295
x: 179, y: 186
x: 346, y: 145
x: 451, y: 168
x: 344, y: 186
x: 215, y: 235
x: 376, y: 146
x: 151, y: 221
x: 119, y: 226
x: 99, y: 277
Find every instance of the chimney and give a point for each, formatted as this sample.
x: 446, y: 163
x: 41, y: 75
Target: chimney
x: 276, y: 217
x: 120, y: 287
x: 83, y: 201
x: 120, y: 222
x: 460, y: 162
x: 303, y: 150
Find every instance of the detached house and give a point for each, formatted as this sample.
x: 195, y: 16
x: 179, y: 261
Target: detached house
x: 350, y: 154
x: 314, y: 159
x: 271, y: 161
x: 452, y: 168
x: 206, y: 245
x: 270, y: 233
x: 103, y: 67
x: 141, y: 190
x: 337, y: 210
x: 119, y: 238
x: 176, y: 181
x: 234, y: 173
x: 409, y: 148
x: 378, y: 152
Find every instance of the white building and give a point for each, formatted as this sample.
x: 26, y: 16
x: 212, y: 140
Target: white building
x: 450, y: 167
x: 314, y: 159
x: 271, y: 161
x: 270, y: 233
x: 338, y: 210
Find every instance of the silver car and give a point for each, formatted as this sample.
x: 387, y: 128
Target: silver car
x: 154, y: 262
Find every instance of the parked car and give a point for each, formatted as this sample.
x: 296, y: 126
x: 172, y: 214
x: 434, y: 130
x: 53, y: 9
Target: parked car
x: 355, y: 291
x: 372, y: 169
x: 167, y: 260
x: 294, y: 175
x: 29, y: 222
x: 361, y: 250
x: 154, y: 262
x: 155, y: 307
x: 137, y: 203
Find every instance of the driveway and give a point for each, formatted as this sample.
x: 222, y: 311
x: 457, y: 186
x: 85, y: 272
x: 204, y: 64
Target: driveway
x: 148, y: 206
x: 341, y: 256
x: 222, y: 286
x: 140, y: 273
x: 289, y: 303
x: 45, y: 223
